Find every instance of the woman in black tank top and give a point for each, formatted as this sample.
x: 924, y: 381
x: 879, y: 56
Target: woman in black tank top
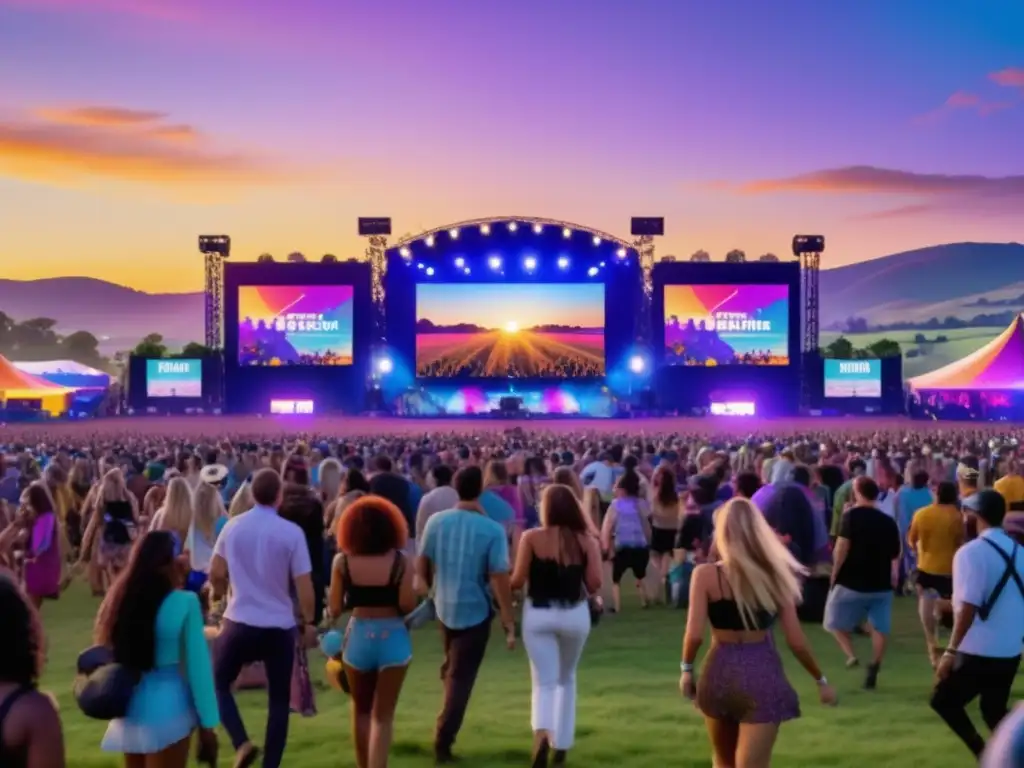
x: 30, y: 731
x: 372, y: 578
x: 743, y: 692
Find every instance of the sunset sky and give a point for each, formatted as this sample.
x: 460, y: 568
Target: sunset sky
x: 519, y: 306
x: 129, y: 127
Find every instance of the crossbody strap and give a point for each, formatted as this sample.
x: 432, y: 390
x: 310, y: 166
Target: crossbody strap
x: 985, y: 610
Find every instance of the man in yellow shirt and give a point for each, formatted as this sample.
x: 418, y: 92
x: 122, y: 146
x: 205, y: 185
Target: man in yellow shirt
x: 936, y: 532
x: 1011, y: 486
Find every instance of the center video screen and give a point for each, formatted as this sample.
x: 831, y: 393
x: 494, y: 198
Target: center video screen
x: 709, y: 325
x: 174, y: 378
x: 519, y: 330
x: 295, y: 325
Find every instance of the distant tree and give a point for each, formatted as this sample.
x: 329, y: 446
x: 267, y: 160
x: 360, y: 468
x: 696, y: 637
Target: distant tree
x: 668, y: 258
x: 296, y: 258
x: 735, y: 256
x: 841, y: 348
x: 329, y: 258
x: 151, y: 346
x: 195, y: 349
x: 920, y: 338
x: 771, y: 257
x: 856, y: 325
x: 884, y: 348
x: 36, y: 333
x: 264, y: 258
x: 940, y: 339
x: 700, y: 255
x: 83, y: 347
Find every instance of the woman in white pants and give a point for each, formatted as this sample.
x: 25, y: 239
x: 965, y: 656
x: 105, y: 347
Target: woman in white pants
x: 560, y: 564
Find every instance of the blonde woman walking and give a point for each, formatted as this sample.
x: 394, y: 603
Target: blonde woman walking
x: 743, y: 691
x: 176, y: 513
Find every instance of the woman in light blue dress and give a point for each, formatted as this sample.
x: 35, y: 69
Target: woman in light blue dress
x: 153, y: 625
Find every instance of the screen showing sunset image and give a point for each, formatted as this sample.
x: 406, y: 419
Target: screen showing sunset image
x: 519, y: 330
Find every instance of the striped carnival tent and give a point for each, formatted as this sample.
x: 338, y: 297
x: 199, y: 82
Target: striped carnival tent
x: 66, y: 373
x: 18, y: 385
x: 997, y: 366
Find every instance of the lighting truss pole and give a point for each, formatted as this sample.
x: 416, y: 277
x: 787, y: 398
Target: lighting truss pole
x: 376, y: 250
x: 644, y: 246
x: 809, y: 248
x: 215, y: 249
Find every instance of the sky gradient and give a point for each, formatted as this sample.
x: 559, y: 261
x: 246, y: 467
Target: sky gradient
x: 129, y: 127
x: 495, y: 306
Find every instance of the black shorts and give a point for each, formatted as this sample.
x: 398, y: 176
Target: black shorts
x: 662, y: 540
x: 941, y: 585
x: 633, y: 559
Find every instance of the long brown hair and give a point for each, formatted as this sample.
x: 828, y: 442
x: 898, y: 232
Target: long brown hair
x: 665, y: 482
x: 561, y: 510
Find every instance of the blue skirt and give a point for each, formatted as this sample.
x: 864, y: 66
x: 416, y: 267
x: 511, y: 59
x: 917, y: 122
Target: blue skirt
x: 160, y: 714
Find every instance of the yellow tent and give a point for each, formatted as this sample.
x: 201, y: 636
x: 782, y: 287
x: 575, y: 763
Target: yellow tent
x: 18, y: 385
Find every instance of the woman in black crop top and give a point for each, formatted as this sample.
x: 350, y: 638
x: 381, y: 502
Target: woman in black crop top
x: 372, y: 578
x: 743, y: 692
x: 560, y: 565
x: 30, y: 732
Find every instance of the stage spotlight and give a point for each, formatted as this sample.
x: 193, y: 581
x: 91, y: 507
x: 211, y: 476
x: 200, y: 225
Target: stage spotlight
x: 512, y: 226
x: 563, y: 262
x: 385, y: 366
x: 460, y: 262
x: 530, y: 263
x: 430, y: 241
x: 405, y: 252
x: 636, y: 364
x: 601, y: 265
x: 466, y: 270
x: 566, y: 233
x: 454, y: 234
x: 494, y: 262
x: 430, y: 271
x: 592, y: 272
x: 485, y: 229
x: 420, y: 265
x: 621, y: 253
x: 597, y: 240
x: 538, y: 228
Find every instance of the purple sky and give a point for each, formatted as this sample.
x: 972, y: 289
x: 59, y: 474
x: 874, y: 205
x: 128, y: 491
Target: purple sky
x: 128, y: 127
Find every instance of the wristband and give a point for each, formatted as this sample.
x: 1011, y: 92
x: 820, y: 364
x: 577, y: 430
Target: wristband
x: 685, y: 668
x: 822, y: 681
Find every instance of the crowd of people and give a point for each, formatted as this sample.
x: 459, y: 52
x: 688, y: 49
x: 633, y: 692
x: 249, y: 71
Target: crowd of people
x: 224, y: 561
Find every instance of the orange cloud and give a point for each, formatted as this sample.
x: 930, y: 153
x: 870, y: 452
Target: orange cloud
x: 98, y: 142
x: 106, y: 116
x: 964, y: 100
x: 1011, y: 77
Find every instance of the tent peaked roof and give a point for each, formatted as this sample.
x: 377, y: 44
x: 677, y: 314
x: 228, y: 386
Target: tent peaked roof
x: 997, y: 365
x: 13, y: 380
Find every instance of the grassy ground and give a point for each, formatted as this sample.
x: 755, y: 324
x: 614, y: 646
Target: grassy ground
x: 929, y: 357
x: 630, y: 711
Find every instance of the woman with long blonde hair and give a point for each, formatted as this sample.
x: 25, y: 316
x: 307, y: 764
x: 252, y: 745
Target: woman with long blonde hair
x: 332, y: 475
x: 743, y: 692
x: 113, y: 524
x: 175, y: 515
x: 242, y: 501
x: 208, y: 518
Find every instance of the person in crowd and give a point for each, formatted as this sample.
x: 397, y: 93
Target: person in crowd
x: 387, y: 483
x: 1006, y: 747
x: 353, y: 487
x: 626, y: 536
x: 464, y: 557
x: 742, y: 690
x: 560, y: 564
x: 983, y: 655
x: 113, y: 523
x: 843, y: 500
x: 936, y: 532
x: 864, y: 574
x: 565, y: 475
x: 175, y: 514
x: 531, y: 484
x: 1011, y: 485
x: 747, y: 484
x: 803, y: 478
x: 912, y: 496
x: 330, y: 477
x: 301, y: 505
x: 967, y: 484
x: 498, y: 484
x: 440, y: 497
x: 242, y: 501
x: 30, y: 729
x: 43, y: 561
x: 208, y: 520
x: 372, y: 578
x: 666, y: 511
x: 153, y: 625
x: 266, y: 557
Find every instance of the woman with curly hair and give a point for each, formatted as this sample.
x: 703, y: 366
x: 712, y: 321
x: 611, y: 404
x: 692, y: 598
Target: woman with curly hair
x: 371, y: 578
x: 154, y: 626
x: 30, y: 731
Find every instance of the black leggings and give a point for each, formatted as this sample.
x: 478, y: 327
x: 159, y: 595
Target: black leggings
x: 983, y: 677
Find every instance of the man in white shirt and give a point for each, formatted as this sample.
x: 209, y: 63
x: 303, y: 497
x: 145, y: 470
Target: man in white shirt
x: 600, y: 474
x: 263, y: 556
x: 988, y: 602
x: 441, y: 497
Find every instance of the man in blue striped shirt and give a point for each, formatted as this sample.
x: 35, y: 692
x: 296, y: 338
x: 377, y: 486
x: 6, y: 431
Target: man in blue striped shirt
x: 464, y: 557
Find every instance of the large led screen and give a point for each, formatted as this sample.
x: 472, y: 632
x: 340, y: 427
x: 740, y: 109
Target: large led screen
x: 727, y: 325
x: 295, y: 325
x: 516, y: 330
x: 174, y: 378
x: 853, y: 378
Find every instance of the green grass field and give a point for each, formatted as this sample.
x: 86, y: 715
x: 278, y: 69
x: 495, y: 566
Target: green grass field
x: 630, y: 711
x: 929, y: 357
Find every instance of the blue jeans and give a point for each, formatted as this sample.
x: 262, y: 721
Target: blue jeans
x: 846, y: 609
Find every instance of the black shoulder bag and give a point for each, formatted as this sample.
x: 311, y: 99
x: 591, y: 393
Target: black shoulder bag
x: 985, y: 609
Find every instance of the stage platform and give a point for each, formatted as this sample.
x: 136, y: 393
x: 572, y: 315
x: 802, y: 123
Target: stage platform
x: 195, y: 428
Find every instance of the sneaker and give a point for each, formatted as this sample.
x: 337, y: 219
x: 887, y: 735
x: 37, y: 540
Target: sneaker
x: 871, y: 678
x: 444, y: 756
x: 852, y: 662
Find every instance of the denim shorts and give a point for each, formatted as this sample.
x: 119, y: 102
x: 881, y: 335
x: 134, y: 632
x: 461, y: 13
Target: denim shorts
x: 846, y: 609
x: 373, y: 644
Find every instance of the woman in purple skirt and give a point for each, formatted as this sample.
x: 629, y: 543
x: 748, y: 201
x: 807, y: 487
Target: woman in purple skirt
x: 743, y: 692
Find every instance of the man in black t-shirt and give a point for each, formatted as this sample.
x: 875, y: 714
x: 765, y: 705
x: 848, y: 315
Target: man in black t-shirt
x: 392, y: 486
x: 864, y: 573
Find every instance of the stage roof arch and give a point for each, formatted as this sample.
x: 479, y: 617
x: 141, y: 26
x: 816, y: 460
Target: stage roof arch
x: 999, y: 365
x: 527, y: 221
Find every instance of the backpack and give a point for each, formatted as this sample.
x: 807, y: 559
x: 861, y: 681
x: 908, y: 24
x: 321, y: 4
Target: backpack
x: 116, y: 519
x: 985, y: 609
